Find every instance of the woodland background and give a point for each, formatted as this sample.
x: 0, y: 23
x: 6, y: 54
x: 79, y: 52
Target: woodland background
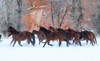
x: 31, y: 14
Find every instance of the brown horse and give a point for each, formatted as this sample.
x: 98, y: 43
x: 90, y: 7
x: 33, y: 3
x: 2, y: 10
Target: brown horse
x: 21, y: 36
x: 62, y: 35
x: 86, y: 35
x: 78, y: 36
x: 71, y: 37
x: 90, y: 36
x: 49, y: 36
x: 40, y: 34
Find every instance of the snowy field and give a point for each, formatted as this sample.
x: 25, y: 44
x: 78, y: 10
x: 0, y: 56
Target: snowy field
x: 86, y: 52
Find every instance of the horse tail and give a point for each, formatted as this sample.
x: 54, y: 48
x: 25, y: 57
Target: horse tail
x: 33, y: 37
x: 95, y: 39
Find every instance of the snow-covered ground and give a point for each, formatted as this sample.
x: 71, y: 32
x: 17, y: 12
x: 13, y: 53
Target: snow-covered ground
x: 86, y: 52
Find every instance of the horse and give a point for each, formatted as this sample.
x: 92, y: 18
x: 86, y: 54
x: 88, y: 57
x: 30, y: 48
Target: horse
x: 71, y: 37
x: 49, y: 35
x: 40, y: 35
x: 86, y: 35
x: 62, y: 34
x: 78, y: 35
x: 20, y: 36
x: 90, y: 36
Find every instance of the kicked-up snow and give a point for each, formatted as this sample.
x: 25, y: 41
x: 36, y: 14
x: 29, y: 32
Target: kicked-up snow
x: 86, y: 52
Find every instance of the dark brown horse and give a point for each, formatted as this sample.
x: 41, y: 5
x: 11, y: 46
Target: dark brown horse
x: 49, y: 36
x: 40, y: 34
x: 90, y: 36
x: 71, y: 36
x: 78, y: 36
x: 62, y: 35
x: 86, y: 35
x: 21, y: 36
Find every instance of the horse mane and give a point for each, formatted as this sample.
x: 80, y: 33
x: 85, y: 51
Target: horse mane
x: 44, y: 29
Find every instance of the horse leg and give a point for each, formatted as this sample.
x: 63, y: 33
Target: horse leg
x: 87, y: 41
x: 92, y: 42
x: 59, y: 43
x: 95, y: 40
x: 44, y: 44
x: 31, y: 42
x: 67, y: 43
x: 11, y: 41
x: 19, y: 42
x: 76, y: 41
x: 49, y: 43
x: 80, y: 42
x: 73, y: 41
x: 39, y: 42
x: 14, y: 43
x: 28, y: 42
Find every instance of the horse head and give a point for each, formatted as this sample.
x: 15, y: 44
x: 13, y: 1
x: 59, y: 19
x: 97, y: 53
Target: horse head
x: 11, y: 30
x: 71, y: 30
x: 52, y: 29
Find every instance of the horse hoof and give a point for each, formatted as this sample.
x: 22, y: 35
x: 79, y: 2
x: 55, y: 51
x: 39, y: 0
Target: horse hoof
x: 51, y: 45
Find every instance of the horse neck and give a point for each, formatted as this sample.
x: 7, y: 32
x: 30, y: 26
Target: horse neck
x: 73, y: 32
x: 16, y: 32
x: 46, y: 32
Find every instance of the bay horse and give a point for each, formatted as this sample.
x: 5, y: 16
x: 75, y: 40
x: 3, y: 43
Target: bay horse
x: 90, y: 36
x: 86, y: 35
x: 49, y: 35
x: 20, y: 36
x: 40, y: 34
x: 78, y: 36
x: 62, y: 35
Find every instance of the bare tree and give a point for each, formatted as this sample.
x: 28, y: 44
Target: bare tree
x: 11, y: 13
x: 56, y: 9
x: 4, y: 12
x: 95, y: 16
x: 77, y: 13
